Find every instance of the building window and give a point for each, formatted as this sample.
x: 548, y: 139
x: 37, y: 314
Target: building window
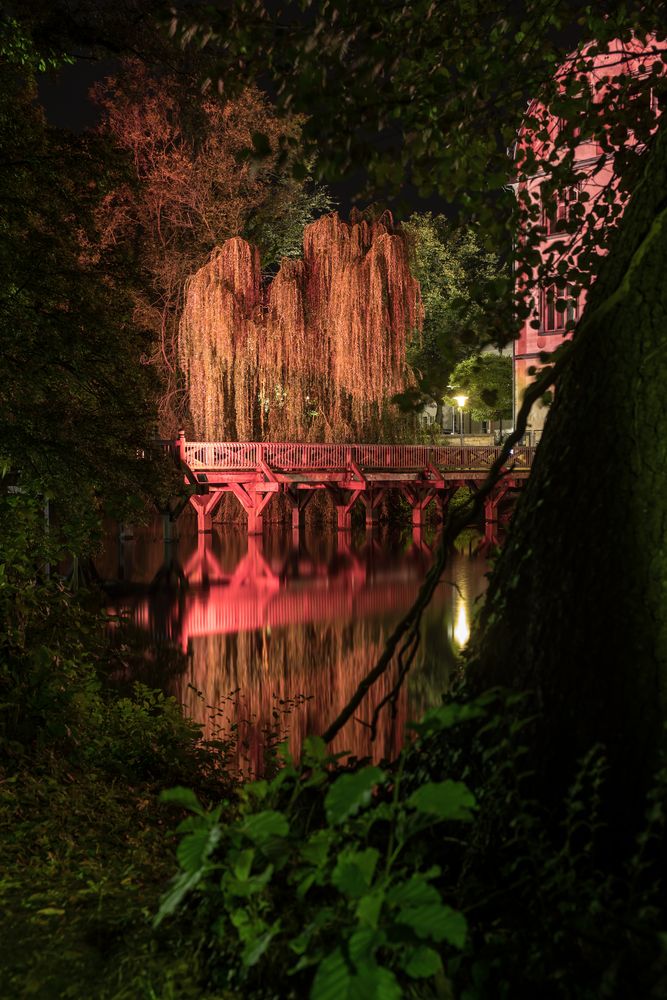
x: 559, y: 306
x: 557, y: 211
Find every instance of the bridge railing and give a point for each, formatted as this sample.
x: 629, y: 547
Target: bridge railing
x: 287, y: 456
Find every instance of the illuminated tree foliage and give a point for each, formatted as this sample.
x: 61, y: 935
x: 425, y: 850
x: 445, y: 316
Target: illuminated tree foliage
x: 317, y: 354
x: 450, y: 85
x: 487, y: 381
x: 457, y: 279
x: 191, y: 186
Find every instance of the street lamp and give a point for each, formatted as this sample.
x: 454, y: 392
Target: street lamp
x: 461, y: 402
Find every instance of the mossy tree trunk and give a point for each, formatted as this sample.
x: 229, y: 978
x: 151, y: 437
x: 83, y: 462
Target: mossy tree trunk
x: 577, y: 606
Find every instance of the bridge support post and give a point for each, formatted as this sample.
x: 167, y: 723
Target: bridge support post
x: 255, y: 521
x: 419, y: 502
x: 344, y: 499
x: 493, y: 501
x: 343, y: 517
x: 254, y: 502
x: 206, y: 507
x: 371, y: 500
x: 299, y: 500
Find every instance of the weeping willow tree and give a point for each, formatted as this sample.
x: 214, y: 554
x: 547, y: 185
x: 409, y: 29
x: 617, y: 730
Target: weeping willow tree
x: 315, y: 355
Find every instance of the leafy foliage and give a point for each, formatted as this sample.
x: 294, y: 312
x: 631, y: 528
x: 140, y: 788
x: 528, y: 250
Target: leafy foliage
x: 373, y: 915
x: 487, y: 381
x: 75, y: 402
x: 396, y: 883
x: 456, y: 276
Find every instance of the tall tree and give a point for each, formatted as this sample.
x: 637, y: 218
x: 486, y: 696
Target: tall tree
x: 318, y: 353
x: 191, y: 187
x: 456, y: 276
x: 76, y: 404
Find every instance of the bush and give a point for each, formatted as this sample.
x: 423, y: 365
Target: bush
x: 391, y: 882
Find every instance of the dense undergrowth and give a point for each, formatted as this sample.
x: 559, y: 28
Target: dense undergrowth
x: 438, y: 876
x: 84, y: 850
x: 441, y: 874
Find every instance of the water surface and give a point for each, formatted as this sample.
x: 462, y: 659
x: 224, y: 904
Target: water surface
x: 250, y: 633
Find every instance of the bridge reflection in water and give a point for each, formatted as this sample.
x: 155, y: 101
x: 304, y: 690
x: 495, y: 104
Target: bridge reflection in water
x: 263, y: 622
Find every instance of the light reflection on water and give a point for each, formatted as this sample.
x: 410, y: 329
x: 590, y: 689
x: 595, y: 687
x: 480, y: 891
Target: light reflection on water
x: 261, y: 621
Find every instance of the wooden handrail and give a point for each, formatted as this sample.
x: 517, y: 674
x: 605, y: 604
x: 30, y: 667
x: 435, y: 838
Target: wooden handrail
x: 313, y: 457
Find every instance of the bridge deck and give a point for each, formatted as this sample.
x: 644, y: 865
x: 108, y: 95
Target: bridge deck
x: 254, y: 471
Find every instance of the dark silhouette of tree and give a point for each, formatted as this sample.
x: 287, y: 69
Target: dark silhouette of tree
x: 76, y: 404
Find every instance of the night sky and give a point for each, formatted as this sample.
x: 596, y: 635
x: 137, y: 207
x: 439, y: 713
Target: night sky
x: 65, y: 94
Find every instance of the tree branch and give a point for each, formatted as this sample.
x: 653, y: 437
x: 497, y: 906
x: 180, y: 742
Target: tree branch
x: 408, y: 627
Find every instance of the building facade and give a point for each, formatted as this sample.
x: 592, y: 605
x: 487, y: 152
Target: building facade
x: 556, y: 303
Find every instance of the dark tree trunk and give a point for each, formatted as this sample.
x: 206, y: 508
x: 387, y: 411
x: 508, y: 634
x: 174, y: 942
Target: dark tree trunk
x: 438, y: 415
x: 577, y: 606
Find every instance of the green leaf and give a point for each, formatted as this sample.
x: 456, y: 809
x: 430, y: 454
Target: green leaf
x: 264, y: 827
x: 180, y: 887
x: 195, y: 848
x: 183, y: 797
x: 315, y: 749
x: 354, y: 870
x: 363, y: 944
x: 446, y: 716
x: 351, y: 792
x: 369, y: 908
x: 304, y: 884
x: 332, y: 979
x: 415, y: 892
x: 240, y: 881
x: 336, y: 980
x: 254, y: 951
x: 242, y: 863
x: 373, y: 982
x: 421, y: 962
x: 316, y: 849
x: 435, y: 922
x: 254, y: 934
x: 451, y: 800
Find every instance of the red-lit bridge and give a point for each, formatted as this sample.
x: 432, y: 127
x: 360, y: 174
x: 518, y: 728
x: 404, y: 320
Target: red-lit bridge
x: 254, y: 472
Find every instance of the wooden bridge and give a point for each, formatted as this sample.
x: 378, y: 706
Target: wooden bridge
x: 255, y: 472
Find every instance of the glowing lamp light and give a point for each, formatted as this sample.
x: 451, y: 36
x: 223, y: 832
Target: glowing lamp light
x: 461, y: 401
x: 462, y: 628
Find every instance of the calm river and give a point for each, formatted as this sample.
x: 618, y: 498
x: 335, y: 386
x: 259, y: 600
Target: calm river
x: 251, y: 632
